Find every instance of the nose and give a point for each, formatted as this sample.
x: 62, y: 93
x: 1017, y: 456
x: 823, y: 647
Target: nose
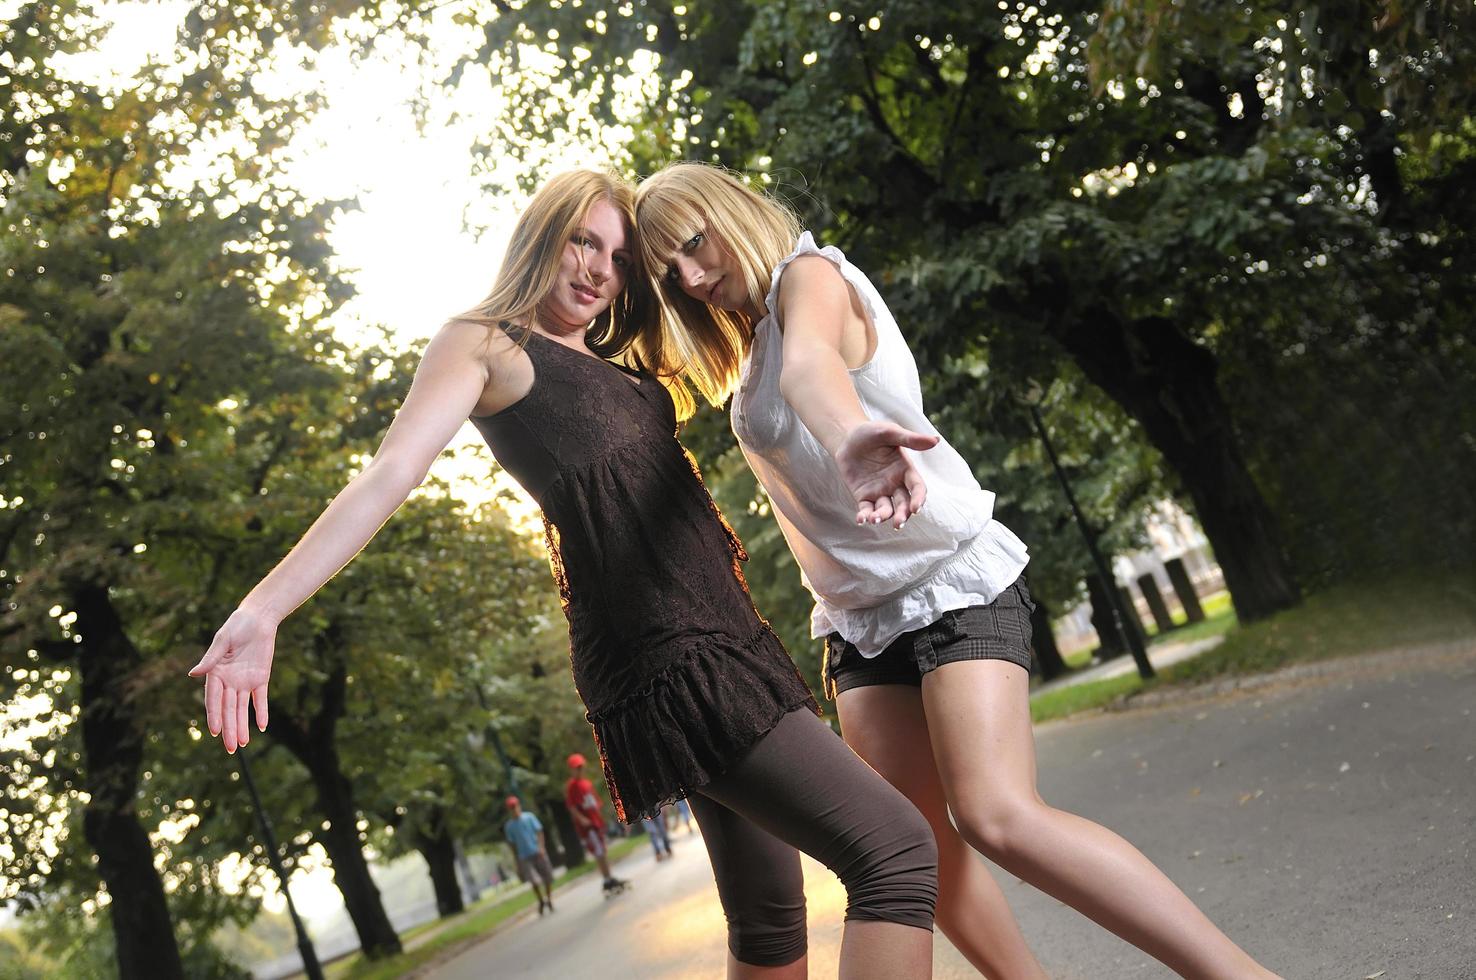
x: 599, y: 267
x: 688, y: 271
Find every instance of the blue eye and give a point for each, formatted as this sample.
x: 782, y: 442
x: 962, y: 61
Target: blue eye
x: 694, y: 243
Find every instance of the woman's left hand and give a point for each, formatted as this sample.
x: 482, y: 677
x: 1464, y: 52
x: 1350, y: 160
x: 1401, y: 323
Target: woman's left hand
x: 886, y: 485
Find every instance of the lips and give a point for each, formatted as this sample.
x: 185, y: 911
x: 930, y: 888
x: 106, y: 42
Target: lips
x: 712, y: 291
x: 585, y: 293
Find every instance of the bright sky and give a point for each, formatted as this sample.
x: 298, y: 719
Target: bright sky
x: 407, y: 248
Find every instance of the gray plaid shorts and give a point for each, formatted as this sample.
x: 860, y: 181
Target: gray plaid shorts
x: 998, y: 631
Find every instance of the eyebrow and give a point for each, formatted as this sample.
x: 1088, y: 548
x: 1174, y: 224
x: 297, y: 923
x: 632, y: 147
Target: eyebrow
x: 595, y: 237
x: 680, y: 247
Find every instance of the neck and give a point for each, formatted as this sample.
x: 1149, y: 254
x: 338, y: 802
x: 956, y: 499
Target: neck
x: 564, y: 333
x: 748, y: 320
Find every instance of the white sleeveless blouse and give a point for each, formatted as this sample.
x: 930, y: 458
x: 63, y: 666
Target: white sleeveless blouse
x: 871, y: 583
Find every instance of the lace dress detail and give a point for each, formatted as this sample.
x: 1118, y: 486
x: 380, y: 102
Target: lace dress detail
x: 678, y: 672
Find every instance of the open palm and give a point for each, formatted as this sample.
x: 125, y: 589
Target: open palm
x: 236, y: 669
x: 883, y: 481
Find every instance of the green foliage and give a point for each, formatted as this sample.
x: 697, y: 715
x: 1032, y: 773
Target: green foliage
x: 1106, y: 186
x: 176, y: 413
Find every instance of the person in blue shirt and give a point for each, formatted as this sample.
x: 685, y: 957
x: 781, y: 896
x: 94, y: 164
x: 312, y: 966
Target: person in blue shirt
x: 524, y: 832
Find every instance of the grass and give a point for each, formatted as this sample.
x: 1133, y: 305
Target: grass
x: 1219, y: 616
x: 1065, y: 701
x: 1346, y: 620
x: 477, y: 920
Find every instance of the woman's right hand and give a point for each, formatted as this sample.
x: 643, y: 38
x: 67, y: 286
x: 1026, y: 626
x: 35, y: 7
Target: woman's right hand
x: 236, y: 669
x: 884, y: 482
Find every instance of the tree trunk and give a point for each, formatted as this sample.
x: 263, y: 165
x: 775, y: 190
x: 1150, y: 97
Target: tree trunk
x: 1157, y: 608
x: 113, y: 747
x: 564, y: 837
x: 1168, y: 383
x: 559, y: 836
x: 436, y: 845
x: 1184, y: 589
x: 1048, y: 662
x: 340, y: 838
x: 1110, y: 642
x: 311, y: 741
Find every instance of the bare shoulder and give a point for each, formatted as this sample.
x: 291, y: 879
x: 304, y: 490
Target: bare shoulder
x: 815, y: 295
x: 470, y: 338
x: 507, y: 374
x: 808, y: 273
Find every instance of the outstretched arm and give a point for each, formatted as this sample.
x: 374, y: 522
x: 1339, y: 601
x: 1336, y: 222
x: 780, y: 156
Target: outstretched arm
x: 448, y: 383
x: 814, y: 306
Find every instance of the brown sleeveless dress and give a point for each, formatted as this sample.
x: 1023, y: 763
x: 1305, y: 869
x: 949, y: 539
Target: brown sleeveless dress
x: 678, y: 672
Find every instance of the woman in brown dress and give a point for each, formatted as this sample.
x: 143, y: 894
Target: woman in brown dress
x: 688, y: 690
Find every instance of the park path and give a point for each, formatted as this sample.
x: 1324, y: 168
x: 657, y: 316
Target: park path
x: 1326, y: 823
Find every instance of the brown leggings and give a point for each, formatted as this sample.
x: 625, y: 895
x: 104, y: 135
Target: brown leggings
x: 800, y: 788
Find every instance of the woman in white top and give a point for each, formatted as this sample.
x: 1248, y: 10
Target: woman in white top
x: 927, y: 620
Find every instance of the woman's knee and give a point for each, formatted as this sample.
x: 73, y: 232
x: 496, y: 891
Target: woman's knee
x: 767, y: 933
x: 897, y: 878
x: 996, y: 827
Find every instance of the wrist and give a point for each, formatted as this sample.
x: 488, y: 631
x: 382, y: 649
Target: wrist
x: 262, y: 611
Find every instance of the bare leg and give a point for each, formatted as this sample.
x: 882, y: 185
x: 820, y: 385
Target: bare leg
x: 978, y: 715
x: 885, y: 950
x: 886, y: 726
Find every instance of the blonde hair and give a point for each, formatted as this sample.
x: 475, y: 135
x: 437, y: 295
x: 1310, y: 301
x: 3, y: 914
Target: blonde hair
x: 689, y: 338
x: 530, y: 269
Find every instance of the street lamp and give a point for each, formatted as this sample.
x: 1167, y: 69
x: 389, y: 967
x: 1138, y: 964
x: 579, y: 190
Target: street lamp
x: 1032, y: 399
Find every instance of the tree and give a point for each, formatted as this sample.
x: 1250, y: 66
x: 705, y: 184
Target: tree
x: 1382, y: 95
x: 1140, y: 224
x: 961, y: 156
x: 138, y: 308
x: 128, y: 320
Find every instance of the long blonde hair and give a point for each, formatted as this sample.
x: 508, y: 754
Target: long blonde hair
x: 690, y: 338
x: 530, y: 269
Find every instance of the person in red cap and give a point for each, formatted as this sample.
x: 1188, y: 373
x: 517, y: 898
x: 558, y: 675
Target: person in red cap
x: 588, y: 813
x: 524, y: 832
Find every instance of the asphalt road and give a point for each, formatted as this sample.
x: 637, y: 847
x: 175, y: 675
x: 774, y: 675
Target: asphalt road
x: 1326, y: 823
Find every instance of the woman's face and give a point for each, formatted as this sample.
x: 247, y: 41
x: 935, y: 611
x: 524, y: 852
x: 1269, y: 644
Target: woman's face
x: 592, y: 271
x: 705, y: 271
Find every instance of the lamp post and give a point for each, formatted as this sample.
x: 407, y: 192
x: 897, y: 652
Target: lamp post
x: 310, y: 965
x: 1114, y: 601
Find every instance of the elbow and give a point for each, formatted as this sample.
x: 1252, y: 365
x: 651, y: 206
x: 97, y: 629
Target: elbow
x: 792, y: 377
x: 396, y: 475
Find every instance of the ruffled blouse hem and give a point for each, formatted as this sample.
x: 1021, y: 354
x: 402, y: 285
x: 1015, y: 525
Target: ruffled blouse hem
x: 692, y: 721
x: 983, y: 568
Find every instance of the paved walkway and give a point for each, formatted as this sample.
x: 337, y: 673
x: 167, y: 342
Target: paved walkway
x: 1326, y: 823
x: 1160, y: 655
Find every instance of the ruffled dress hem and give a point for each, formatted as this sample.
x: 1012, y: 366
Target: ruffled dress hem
x: 694, y: 720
